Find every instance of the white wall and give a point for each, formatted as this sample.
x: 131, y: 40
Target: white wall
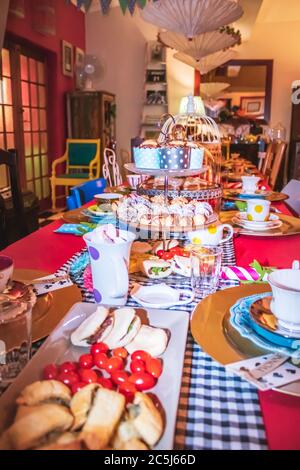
x: 117, y: 41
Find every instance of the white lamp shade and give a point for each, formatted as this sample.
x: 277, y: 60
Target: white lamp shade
x: 199, y: 107
x: 207, y: 63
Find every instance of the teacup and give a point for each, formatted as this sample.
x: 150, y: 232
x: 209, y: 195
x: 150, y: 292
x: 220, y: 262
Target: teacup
x: 212, y: 236
x: 285, y: 305
x: 250, y: 183
x: 135, y: 180
x: 258, y: 210
x: 6, y: 271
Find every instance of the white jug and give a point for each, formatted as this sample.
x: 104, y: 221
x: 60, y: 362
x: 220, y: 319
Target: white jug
x: 109, y: 265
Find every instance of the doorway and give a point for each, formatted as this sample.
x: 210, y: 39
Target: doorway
x: 23, y: 117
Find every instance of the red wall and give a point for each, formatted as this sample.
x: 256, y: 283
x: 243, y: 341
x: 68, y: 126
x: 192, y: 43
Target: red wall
x: 70, y: 26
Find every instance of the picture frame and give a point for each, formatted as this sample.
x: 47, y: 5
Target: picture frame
x: 156, y: 76
x: 156, y: 97
x: 253, y: 106
x: 157, y: 52
x: 79, y: 57
x: 67, y: 59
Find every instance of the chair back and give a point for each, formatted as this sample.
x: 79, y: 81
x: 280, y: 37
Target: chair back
x: 292, y: 189
x: 85, y: 192
x: 9, y: 158
x: 277, y: 160
x: 110, y: 169
x: 82, y: 152
x: 268, y: 160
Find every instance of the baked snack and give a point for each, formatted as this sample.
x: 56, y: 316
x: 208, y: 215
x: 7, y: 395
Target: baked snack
x: 126, y: 326
x: 46, y: 391
x: 105, y: 413
x: 157, y: 268
x: 65, y: 441
x: 94, y: 329
x: 81, y: 404
x: 32, y: 430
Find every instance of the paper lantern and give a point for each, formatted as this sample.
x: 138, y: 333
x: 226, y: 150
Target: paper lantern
x: 207, y: 63
x: 191, y: 17
x: 201, y: 45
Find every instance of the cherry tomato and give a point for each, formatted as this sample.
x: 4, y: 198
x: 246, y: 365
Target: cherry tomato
x: 114, y: 363
x: 137, y: 366
x: 100, y: 360
x: 68, y: 378
x: 160, y: 253
x: 177, y: 250
x: 154, y: 367
x: 77, y: 386
x: 127, y: 389
x: 185, y: 254
x: 98, y: 348
x: 142, y: 381
x: 50, y: 372
x: 140, y: 355
x: 88, y: 376
x: 86, y: 361
x: 119, y: 376
x: 68, y: 367
x: 106, y: 383
x: 167, y: 255
x: 120, y: 352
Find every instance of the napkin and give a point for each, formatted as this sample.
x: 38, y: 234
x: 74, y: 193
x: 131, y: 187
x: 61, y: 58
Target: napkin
x: 40, y: 289
x: 266, y: 372
x: 252, y: 273
x: 82, y: 228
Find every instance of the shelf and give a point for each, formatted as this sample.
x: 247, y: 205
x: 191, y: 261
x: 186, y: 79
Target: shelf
x: 156, y: 83
x: 145, y: 171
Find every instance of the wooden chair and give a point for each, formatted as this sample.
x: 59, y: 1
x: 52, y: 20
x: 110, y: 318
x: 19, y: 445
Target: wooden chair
x: 268, y: 160
x: 9, y: 158
x: 82, y: 158
x: 110, y: 169
x: 276, y: 157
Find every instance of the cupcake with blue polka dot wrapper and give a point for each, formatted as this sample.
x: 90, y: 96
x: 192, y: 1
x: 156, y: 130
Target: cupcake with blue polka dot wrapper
x: 146, y: 156
x: 174, y: 156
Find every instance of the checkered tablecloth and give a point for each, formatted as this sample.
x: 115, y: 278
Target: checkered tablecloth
x: 217, y: 410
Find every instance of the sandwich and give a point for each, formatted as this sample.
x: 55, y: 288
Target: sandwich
x: 35, y: 428
x: 182, y: 265
x: 152, y: 340
x: 46, y: 391
x: 94, y: 329
x: 103, y: 417
x: 141, y: 427
x: 157, y: 269
x: 165, y: 245
x: 126, y: 326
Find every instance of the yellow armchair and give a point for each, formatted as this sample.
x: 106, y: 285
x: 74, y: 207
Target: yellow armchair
x: 82, y: 157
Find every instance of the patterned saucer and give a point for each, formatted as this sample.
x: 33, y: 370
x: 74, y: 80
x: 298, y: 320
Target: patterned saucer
x: 243, y: 322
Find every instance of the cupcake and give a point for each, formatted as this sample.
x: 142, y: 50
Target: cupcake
x: 174, y: 156
x: 147, y: 155
x: 197, y: 155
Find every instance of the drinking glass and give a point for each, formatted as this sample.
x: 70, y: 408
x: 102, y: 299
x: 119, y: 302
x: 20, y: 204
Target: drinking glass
x: 206, y: 267
x: 15, y: 338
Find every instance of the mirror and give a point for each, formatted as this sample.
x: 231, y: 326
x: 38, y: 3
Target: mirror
x: 240, y: 88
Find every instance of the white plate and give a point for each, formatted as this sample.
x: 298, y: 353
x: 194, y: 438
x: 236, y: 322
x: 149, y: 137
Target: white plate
x: 58, y: 348
x: 242, y: 216
x: 100, y: 213
x: 107, y: 196
x: 257, y: 228
x: 160, y: 296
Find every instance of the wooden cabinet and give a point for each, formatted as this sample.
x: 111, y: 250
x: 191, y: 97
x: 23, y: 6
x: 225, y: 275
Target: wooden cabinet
x: 92, y: 115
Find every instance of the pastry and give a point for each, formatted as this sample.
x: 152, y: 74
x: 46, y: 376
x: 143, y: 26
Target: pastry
x: 46, y: 391
x: 149, y: 339
x: 81, y: 403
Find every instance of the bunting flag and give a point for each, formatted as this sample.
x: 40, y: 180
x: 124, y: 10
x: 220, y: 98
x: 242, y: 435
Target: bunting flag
x: 131, y: 6
x: 141, y: 3
x: 105, y: 4
x: 123, y: 5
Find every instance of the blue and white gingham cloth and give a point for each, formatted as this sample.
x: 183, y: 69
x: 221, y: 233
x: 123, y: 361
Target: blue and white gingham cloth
x: 217, y: 410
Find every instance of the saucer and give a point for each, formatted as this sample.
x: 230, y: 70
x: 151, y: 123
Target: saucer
x: 160, y: 296
x: 95, y: 210
x: 241, y: 219
x: 265, y: 324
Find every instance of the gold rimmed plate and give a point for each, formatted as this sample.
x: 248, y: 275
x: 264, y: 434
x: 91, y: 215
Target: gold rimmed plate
x: 237, y: 195
x: 211, y: 329
x: 290, y: 226
x: 50, y: 308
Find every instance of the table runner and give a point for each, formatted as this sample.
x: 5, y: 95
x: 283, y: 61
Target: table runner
x: 217, y: 410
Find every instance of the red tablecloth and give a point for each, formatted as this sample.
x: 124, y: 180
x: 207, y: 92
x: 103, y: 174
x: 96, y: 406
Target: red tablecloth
x: 47, y: 251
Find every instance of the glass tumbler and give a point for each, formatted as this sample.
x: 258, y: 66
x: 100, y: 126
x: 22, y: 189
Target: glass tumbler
x: 205, y: 266
x: 15, y: 338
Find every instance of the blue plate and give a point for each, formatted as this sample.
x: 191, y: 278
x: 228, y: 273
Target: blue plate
x: 241, y: 320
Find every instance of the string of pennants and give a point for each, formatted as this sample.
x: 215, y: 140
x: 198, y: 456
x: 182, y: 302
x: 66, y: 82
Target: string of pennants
x: 106, y: 4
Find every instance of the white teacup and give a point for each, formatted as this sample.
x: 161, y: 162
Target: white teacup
x: 258, y: 210
x: 213, y: 235
x: 135, y: 180
x: 250, y: 183
x: 285, y: 305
